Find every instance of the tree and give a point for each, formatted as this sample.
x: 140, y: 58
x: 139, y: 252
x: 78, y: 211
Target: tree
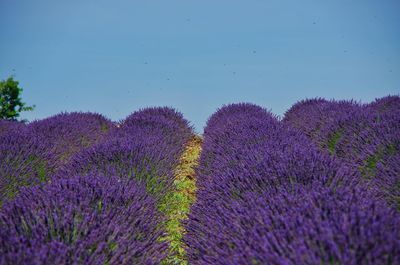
x: 10, y: 102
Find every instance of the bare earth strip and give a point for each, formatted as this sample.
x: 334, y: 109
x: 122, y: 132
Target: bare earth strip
x: 177, y: 203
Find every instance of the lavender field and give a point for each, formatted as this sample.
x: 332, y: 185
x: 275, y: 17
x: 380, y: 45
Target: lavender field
x: 320, y: 185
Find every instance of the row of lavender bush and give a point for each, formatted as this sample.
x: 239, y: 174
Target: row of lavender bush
x: 146, y: 147
x: 364, y: 136
x: 267, y: 195
x: 269, y: 192
x: 31, y: 153
x: 98, y: 202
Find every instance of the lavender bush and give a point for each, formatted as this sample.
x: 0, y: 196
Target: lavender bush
x: 166, y: 114
x: 386, y: 104
x: 146, y: 147
x: 6, y: 126
x: 67, y: 133
x: 311, y: 224
x: 311, y: 115
x: 315, y: 188
x: 267, y: 195
x: 81, y: 220
x: 365, y: 137
x: 126, y: 158
x: 253, y: 152
x: 24, y: 161
x: 156, y: 123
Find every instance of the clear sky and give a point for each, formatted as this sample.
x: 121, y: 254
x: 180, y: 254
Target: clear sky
x: 114, y: 56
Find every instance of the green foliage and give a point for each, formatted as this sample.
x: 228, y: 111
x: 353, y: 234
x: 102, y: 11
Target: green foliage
x: 332, y: 141
x: 11, y: 104
x: 24, y: 179
x: 177, y: 202
x: 368, y: 170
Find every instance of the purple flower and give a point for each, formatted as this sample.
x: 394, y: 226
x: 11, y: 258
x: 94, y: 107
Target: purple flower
x: 6, y: 126
x: 24, y: 161
x: 364, y: 137
x: 311, y: 224
x: 67, y: 133
x: 146, y: 147
x: 81, y: 220
x: 268, y: 195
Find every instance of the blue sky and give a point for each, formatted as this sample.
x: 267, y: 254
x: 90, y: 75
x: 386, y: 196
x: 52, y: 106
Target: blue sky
x: 114, y: 57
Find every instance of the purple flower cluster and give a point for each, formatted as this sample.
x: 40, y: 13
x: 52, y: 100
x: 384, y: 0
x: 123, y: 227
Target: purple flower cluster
x: 313, y: 115
x: 267, y: 195
x: 24, y: 161
x: 67, y: 133
x: 310, y: 224
x: 158, y: 126
x: 251, y: 150
x: 6, y: 126
x: 101, y: 205
x: 31, y: 154
x: 366, y: 137
x: 145, y: 147
x: 81, y: 220
x: 165, y: 115
x: 387, y: 104
x: 315, y: 188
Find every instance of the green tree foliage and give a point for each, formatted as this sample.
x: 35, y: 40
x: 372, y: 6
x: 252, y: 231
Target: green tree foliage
x: 10, y: 102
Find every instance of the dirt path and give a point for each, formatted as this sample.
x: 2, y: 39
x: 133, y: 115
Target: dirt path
x: 178, y: 202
